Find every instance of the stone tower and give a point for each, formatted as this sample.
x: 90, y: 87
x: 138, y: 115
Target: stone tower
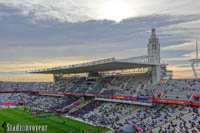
x: 154, y: 45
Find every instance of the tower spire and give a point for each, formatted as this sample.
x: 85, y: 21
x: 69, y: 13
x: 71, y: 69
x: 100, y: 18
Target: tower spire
x: 153, y: 33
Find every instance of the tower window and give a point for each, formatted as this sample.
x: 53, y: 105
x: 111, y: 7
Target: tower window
x: 154, y: 46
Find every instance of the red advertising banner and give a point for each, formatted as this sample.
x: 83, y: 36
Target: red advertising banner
x: 171, y: 101
x: 196, y: 95
x: 196, y: 103
x: 67, y: 93
x: 8, y: 103
x: 6, y: 91
x: 123, y: 97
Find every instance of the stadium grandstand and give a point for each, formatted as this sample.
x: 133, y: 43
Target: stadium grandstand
x: 136, y: 94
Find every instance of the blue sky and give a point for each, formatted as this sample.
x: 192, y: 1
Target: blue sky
x: 39, y: 34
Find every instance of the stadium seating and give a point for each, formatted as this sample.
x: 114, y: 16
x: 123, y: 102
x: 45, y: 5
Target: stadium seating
x: 89, y: 107
x: 98, y: 88
x: 4, y: 97
x: 158, y: 118
x: 169, y: 118
x: 178, y: 89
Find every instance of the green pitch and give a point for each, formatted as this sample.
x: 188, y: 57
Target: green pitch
x: 55, y: 124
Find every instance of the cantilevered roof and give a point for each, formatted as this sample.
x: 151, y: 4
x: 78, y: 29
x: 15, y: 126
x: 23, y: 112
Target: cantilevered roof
x: 101, y: 65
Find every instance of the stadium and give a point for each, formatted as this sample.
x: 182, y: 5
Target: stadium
x: 136, y: 94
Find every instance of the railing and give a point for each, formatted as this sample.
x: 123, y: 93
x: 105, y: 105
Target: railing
x: 125, y: 99
x: 142, y: 59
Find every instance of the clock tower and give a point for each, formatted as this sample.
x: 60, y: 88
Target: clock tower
x: 154, y: 46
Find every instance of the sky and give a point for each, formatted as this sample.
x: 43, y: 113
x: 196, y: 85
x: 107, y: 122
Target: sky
x: 38, y: 34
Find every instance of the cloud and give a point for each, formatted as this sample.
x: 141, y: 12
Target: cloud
x: 180, y: 71
x: 84, y: 10
x: 60, y: 10
x: 91, y: 38
x: 183, y: 47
